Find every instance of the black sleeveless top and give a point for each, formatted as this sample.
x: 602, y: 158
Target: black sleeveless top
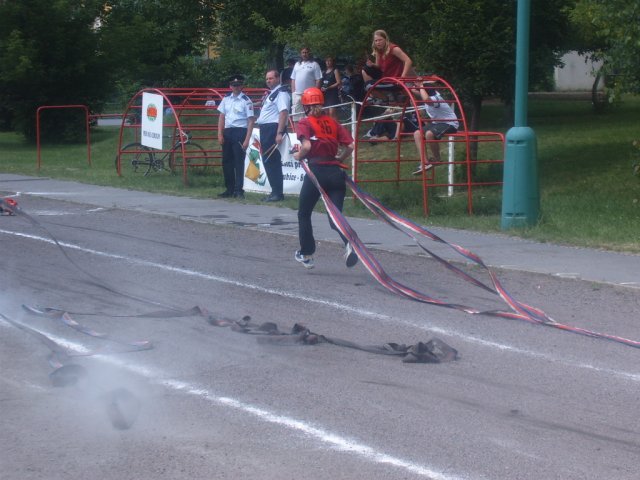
x: 331, y: 95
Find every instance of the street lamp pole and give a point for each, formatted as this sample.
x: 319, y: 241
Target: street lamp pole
x: 520, y: 192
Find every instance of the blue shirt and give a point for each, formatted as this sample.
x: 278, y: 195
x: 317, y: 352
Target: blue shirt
x: 273, y: 105
x: 236, y: 109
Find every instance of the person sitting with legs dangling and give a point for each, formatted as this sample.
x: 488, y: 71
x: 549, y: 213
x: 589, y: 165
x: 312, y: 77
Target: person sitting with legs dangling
x: 444, y: 121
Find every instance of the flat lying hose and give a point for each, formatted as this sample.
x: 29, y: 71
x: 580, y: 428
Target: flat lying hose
x: 432, y: 351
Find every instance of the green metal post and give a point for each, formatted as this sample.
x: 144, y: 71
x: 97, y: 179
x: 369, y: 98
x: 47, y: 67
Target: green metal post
x: 520, y: 192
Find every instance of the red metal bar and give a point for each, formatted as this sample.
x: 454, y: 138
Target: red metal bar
x: 405, y: 99
x: 192, y: 109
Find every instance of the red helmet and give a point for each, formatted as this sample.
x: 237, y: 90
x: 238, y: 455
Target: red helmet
x: 313, y: 96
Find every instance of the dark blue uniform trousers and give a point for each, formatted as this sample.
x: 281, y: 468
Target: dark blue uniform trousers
x: 233, y: 159
x: 271, y: 161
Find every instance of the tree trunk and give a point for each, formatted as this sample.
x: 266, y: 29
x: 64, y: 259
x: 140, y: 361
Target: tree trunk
x: 476, y: 109
x: 275, y: 57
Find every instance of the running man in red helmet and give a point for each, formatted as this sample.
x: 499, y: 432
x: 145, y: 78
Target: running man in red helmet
x: 325, y: 144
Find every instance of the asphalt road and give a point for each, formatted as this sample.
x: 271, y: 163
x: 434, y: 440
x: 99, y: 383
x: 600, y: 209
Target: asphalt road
x: 522, y: 402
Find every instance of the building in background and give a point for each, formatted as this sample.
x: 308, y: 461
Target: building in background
x: 577, y: 74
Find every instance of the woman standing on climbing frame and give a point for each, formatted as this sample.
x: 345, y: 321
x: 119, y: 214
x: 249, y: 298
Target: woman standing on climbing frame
x: 389, y: 60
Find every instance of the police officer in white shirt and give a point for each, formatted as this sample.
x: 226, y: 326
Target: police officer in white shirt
x: 235, y: 125
x: 306, y: 74
x: 272, y: 121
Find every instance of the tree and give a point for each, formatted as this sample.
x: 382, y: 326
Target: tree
x: 48, y: 58
x: 80, y: 51
x: 613, y: 32
x: 259, y: 25
x: 470, y: 43
x: 343, y: 28
x: 157, y: 43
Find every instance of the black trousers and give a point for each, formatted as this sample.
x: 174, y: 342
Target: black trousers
x: 233, y: 159
x: 271, y: 160
x: 331, y: 179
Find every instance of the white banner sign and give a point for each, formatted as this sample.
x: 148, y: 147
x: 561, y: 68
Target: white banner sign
x: 255, y: 176
x: 152, y: 113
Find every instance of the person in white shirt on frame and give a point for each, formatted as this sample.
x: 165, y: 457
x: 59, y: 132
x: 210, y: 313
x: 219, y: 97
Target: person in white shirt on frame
x: 444, y: 121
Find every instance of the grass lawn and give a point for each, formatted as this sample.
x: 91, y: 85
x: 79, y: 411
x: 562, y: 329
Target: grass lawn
x: 589, y: 194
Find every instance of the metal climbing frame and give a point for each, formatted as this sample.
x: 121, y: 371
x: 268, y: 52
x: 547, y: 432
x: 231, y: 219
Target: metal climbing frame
x: 190, y: 125
x: 472, y: 159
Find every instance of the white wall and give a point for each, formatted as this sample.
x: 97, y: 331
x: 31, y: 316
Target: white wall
x: 576, y: 74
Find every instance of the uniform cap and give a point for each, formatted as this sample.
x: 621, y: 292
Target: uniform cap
x: 236, y: 80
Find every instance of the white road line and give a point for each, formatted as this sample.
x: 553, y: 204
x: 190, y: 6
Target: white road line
x: 334, y: 440
x: 206, y: 276
x: 50, y: 213
x: 46, y: 194
x: 341, y: 307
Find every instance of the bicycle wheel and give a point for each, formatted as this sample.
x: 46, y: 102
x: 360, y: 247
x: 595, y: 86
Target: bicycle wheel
x: 195, y: 156
x: 139, y: 157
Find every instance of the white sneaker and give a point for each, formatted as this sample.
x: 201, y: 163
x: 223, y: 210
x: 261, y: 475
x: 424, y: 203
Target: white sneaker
x: 422, y: 167
x: 369, y: 135
x: 305, y: 260
x: 350, y: 256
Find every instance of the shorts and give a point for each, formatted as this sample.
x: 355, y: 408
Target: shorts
x: 296, y: 105
x: 440, y: 129
x: 410, y: 123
